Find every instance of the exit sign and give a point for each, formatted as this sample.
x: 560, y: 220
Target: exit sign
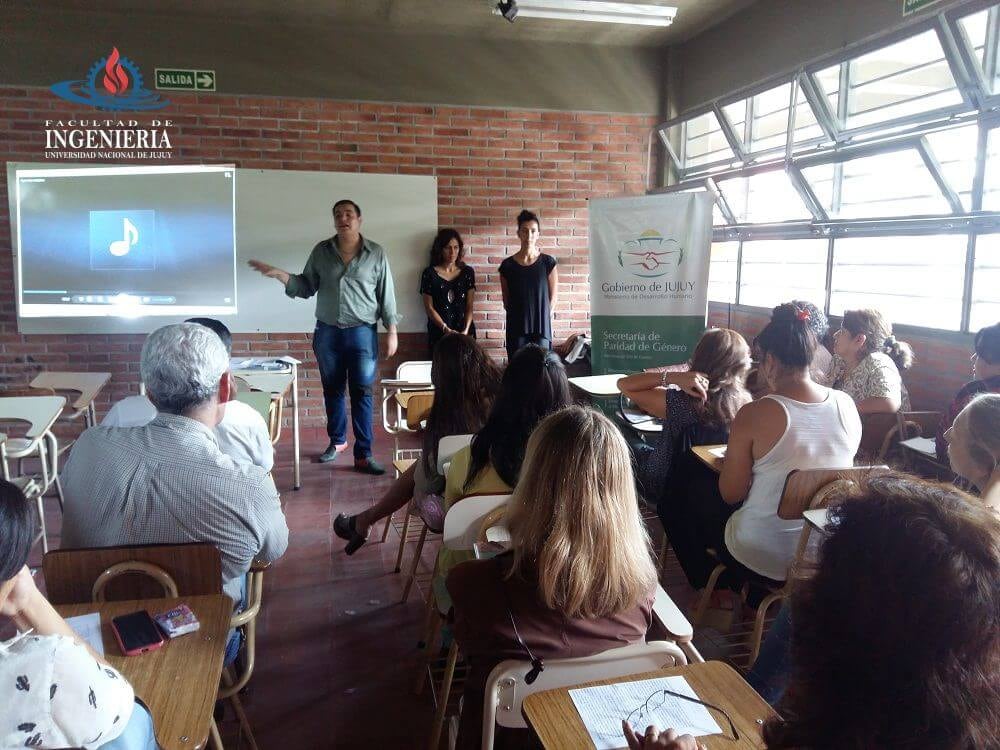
x: 174, y: 79
x: 912, y: 6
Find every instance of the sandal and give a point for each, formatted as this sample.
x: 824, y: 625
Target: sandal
x: 346, y: 528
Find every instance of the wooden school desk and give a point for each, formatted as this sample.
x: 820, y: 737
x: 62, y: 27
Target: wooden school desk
x: 179, y: 681
x: 557, y: 724
x: 598, y: 386
x: 278, y: 383
x: 705, y: 455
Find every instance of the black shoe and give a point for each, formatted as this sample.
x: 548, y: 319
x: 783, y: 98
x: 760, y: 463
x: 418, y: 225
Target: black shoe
x: 369, y: 466
x: 332, y: 451
x: 346, y: 528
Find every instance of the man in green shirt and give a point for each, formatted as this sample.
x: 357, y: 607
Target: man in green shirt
x: 352, y: 279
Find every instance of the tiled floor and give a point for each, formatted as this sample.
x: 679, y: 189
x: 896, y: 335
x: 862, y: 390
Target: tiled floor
x: 336, y: 648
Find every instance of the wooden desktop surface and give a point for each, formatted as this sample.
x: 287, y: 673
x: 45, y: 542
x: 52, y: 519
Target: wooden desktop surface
x: 557, y: 724
x: 179, y: 681
x: 705, y: 456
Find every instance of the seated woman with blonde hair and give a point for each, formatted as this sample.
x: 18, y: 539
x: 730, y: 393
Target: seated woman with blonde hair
x: 697, y: 410
x: 579, y: 578
x: 974, y: 446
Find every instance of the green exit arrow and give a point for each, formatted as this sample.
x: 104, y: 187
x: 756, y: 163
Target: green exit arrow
x: 205, y: 80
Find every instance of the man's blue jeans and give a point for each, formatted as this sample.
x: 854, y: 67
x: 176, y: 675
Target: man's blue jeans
x: 347, y: 359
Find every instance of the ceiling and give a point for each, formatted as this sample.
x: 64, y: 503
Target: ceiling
x: 472, y: 18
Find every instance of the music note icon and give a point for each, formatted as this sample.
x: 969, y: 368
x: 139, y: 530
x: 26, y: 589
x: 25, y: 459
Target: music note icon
x: 118, y: 248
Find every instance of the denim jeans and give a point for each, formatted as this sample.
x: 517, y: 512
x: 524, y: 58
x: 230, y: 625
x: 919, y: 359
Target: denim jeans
x: 347, y: 358
x: 769, y: 674
x: 138, y: 734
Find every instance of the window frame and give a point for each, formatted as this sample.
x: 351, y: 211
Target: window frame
x: 839, y: 144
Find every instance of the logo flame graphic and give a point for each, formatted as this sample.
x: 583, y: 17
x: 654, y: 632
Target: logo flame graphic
x: 115, y: 78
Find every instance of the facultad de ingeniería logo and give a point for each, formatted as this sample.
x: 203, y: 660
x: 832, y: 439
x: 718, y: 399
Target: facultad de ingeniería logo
x: 650, y: 255
x: 113, y: 83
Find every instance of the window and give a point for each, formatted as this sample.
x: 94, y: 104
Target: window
x: 776, y: 271
x: 702, y: 141
x: 768, y: 129
x: 955, y: 151
x: 986, y: 282
x: 896, y: 183
x: 763, y: 198
x: 910, y: 77
x: 913, y: 280
x: 981, y: 30
x: 991, y: 186
x: 722, y: 271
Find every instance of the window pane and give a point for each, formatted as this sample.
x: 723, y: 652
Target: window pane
x: 829, y: 85
x: 776, y: 271
x: 986, y: 282
x: 891, y: 184
x: 913, y: 280
x: 991, y: 183
x: 955, y: 151
x: 722, y: 271
x: 769, y: 129
x: 977, y: 28
x: 763, y: 198
x: 702, y: 141
x: 905, y: 78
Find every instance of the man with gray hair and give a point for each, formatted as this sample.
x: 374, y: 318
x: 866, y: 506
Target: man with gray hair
x: 167, y: 482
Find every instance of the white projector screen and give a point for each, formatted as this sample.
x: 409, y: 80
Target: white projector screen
x: 279, y: 216
x: 125, y: 241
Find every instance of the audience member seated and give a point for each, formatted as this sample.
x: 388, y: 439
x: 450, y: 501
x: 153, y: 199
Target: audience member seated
x: 685, y: 491
x: 579, y: 578
x: 465, y: 382
x: 168, y: 482
x: 800, y: 425
x: 974, y: 446
x: 985, y: 379
x: 821, y: 368
x: 57, y: 692
x: 242, y: 434
x: 868, y: 360
x: 904, y: 552
x: 533, y: 386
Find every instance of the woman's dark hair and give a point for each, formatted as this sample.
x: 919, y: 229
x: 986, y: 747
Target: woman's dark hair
x: 465, y: 381
x: 817, y: 320
x: 534, y: 385
x: 896, y: 636
x: 444, y: 236
x: 788, y: 337
x: 878, y: 335
x: 988, y: 343
x: 17, y: 530
x: 723, y: 355
x: 525, y: 216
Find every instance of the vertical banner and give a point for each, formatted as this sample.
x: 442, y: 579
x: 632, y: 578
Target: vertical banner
x: 648, y: 279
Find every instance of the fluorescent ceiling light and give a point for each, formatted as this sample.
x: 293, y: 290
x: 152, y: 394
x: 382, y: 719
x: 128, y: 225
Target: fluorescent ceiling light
x: 597, y: 10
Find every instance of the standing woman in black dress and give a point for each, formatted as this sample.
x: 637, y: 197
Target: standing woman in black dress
x: 448, y: 287
x: 529, y: 282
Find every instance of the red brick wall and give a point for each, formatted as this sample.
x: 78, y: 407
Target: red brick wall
x: 941, y: 363
x: 490, y: 163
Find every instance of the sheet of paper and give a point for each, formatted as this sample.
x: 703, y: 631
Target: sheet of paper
x: 88, y: 627
x: 603, y: 708
x: 922, y: 444
x: 719, y: 452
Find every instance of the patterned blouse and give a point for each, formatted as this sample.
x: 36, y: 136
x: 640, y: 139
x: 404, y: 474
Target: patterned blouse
x: 876, y: 376
x: 56, y: 694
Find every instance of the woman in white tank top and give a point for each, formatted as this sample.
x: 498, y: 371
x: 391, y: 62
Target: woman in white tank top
x: 801, y: 425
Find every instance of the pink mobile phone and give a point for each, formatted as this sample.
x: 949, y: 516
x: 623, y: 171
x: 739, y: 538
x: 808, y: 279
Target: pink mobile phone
x: 136, y: 633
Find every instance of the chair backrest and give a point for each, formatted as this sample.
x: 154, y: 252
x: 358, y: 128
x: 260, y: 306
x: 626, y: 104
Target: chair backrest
x: 506, y: 688
x: 70, y: 574
x: 418, y: 408
x: 875, y: 428
x: 448, y: 446
x: 260, y: 402
x: 465, y: 517
x: 419, y: 371
x: 38, y: 411
x: 802, y: 485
